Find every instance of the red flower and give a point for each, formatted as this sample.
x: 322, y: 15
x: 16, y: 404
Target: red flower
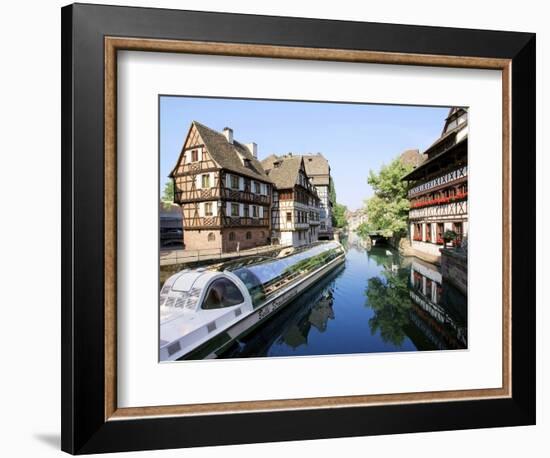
x: 440, y: 200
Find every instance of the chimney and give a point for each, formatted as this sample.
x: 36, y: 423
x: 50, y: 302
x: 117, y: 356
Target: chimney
x: 253, y: 148
x: 228, y: 132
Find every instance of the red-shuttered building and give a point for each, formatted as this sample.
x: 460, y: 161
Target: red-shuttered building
x: 438, y: 191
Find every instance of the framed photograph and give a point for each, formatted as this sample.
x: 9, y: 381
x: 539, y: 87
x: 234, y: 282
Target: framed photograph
x: 270, y: 222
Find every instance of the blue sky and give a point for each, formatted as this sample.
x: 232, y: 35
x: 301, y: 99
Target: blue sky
x: 355, y: 138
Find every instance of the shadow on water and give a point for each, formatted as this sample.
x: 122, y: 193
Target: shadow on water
x: 378, y: 302
x: 292, y: 325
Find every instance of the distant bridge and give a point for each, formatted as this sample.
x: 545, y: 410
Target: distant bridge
x: 375, y: 238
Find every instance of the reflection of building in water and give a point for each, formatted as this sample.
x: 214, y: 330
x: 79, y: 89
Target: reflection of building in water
x: 438, y: 309
x: 316, y: 316
x: 322, y: 312
x: 438, y: 190
x: 292, y: 325
x: 427, y: 281
x: 356, y: 241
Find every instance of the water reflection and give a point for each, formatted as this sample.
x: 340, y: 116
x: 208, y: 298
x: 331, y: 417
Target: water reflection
x: 291, y: 327
x: 441, y: 307
x: 388, y: 297
x: 378, y: 302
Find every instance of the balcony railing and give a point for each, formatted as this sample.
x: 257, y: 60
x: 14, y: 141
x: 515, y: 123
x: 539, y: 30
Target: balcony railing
x: 195, y: 167
x: 445, y: 179
x: 244, y: 196
x: 224, y: 221
x: 290, y: 226
x: 450, y: 209
x: 223, y: 193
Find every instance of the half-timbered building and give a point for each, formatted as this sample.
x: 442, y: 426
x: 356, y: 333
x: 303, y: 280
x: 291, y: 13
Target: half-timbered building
x: 296, y: 206
x: 438, y: 189
x: 318, y: 171
x: 223, y: 191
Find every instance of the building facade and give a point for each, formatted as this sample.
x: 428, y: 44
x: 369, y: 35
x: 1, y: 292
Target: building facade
x: 295, y: 213
x: 356, y: 218
x: 223, y: 191
x: 318, y: 171
x: 438, y: 190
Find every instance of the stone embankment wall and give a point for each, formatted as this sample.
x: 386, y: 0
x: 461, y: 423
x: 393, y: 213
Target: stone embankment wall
x: 406, y: 249
x: 454, y: 268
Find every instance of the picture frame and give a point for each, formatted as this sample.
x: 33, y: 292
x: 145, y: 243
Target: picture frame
x: 91, y: 37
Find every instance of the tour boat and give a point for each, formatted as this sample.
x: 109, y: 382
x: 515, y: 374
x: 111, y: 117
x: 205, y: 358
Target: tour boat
x: 204, y: 311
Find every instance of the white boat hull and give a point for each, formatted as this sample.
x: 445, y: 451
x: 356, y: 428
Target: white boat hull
x: 216, y: 346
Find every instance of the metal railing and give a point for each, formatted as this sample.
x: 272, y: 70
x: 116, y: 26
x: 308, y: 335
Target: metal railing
x: 442, y: 180
x: 225, y: 221
x: 171, y: 257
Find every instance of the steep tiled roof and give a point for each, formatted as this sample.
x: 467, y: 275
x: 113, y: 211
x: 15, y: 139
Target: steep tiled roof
x: 317, y: 168
x: 416, y: 173
x: 282, y: 170
x: 447, y: 142
x: 269, y: 160
x: 228, y: 155
x: 412, y: 157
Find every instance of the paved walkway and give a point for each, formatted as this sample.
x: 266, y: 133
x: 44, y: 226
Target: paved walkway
x: 171, y: 257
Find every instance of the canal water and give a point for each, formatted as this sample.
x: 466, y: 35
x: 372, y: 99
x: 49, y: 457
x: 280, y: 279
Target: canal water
x: 377, y: 302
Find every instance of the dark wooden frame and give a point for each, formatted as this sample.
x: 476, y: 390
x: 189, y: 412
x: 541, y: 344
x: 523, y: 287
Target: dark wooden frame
x: 91, y: 34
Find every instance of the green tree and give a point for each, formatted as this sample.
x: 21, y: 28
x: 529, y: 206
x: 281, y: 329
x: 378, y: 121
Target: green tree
x: 362, y: 230
x: 389, y: 207
x: 168, y: 193
x: 339, y: 215
x: 332, y: 191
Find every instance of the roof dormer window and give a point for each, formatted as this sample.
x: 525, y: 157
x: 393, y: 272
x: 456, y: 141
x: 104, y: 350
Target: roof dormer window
x: 245, y: 160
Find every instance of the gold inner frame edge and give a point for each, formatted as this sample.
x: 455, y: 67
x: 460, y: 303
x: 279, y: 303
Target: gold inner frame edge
x: 114, y: 44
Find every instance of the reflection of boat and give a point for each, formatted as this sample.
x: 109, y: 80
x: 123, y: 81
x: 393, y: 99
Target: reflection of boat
x: 203, y: 311
x: 292, y: 325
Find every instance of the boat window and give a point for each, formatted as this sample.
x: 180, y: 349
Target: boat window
x: 253, y: 284
x: 222, y: 293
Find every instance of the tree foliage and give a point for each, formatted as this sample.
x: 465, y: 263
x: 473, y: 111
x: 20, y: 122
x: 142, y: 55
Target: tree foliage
x: 339, y: 215
x: 167, y: 197
x: 332, y: 191
x: 388, y: 208
x: 168, y: 192
x: 363, y: 230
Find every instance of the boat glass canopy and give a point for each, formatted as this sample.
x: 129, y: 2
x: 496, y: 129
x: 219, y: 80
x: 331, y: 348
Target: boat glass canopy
x: 268, y: 275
